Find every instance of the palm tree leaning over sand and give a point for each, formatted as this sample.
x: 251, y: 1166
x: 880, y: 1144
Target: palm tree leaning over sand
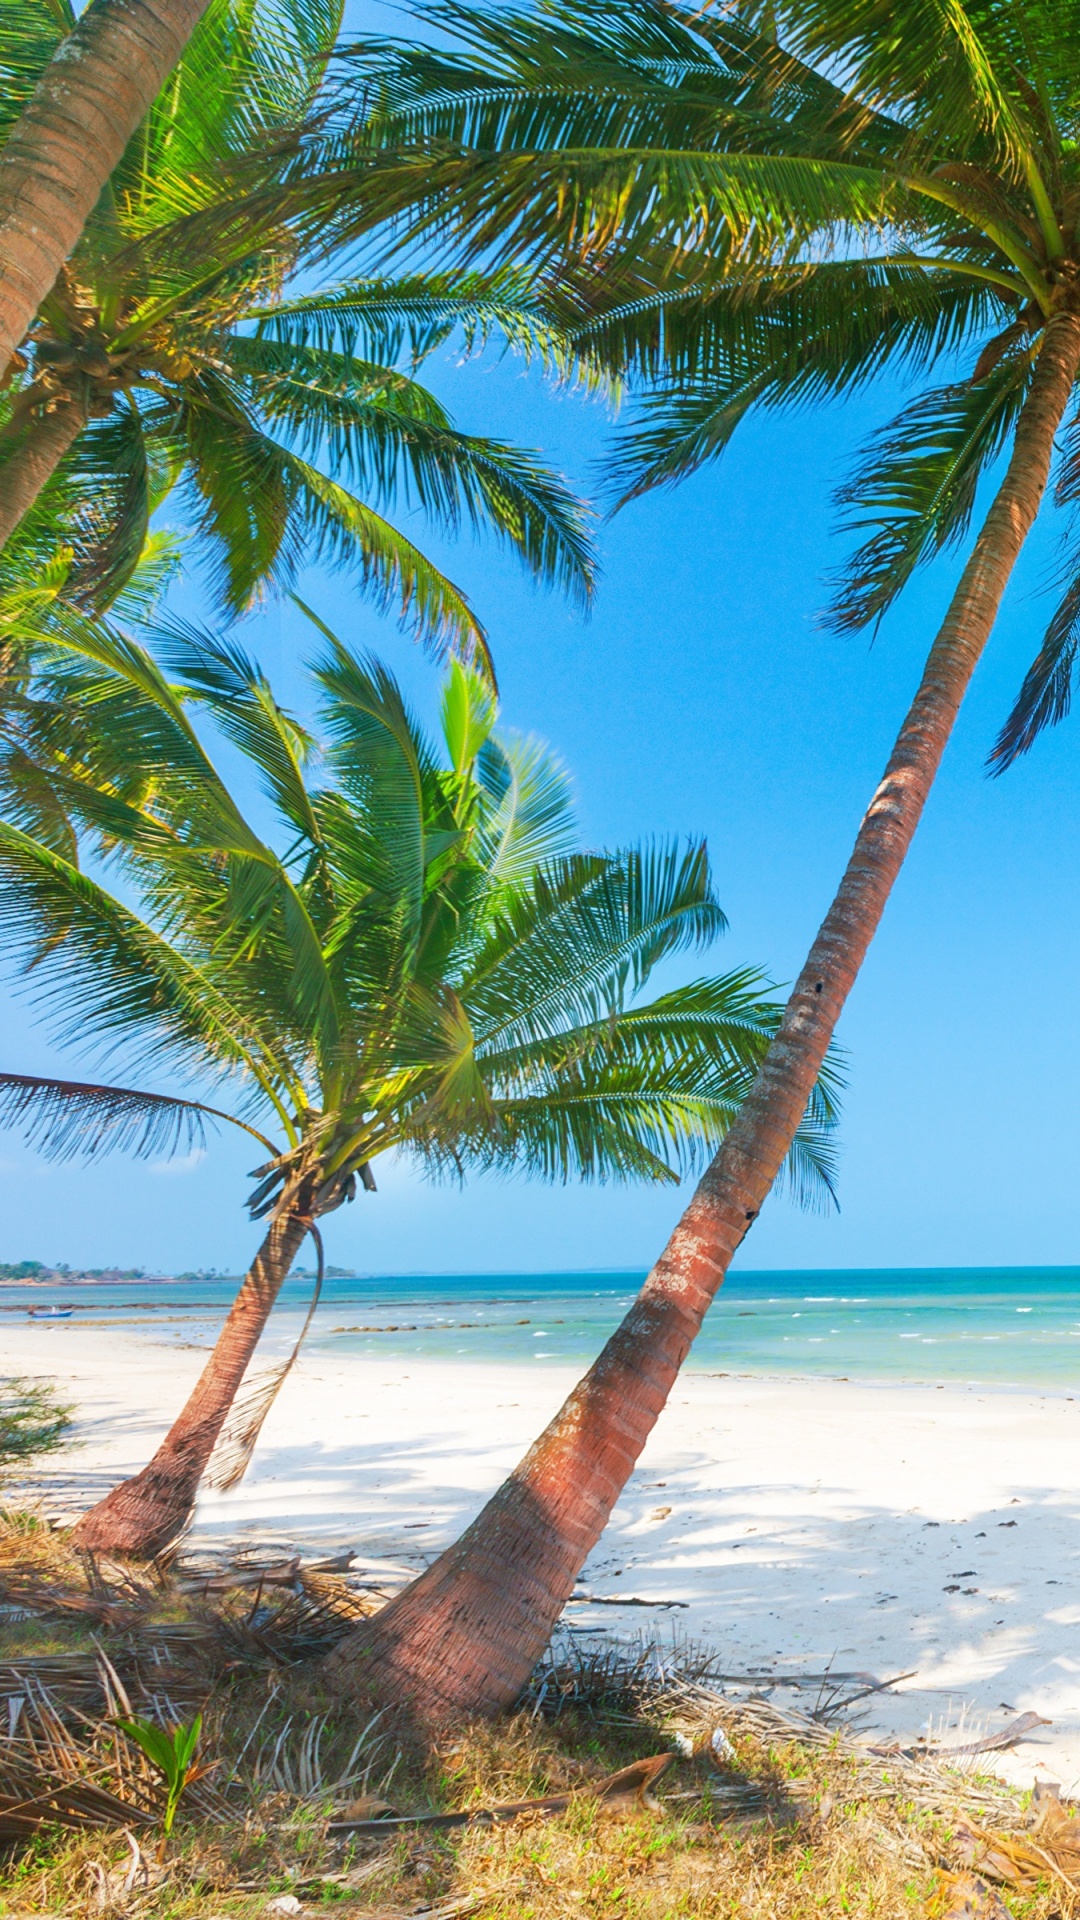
x: 427, y: 966
x: 172, y: 352
x: 750, y: 207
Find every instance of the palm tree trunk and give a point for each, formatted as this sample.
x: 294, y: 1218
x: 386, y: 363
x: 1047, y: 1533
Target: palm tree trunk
x: 464, y: 1637
x: 38, y: 452
x: 144, y: 1515
x: 69, y: 137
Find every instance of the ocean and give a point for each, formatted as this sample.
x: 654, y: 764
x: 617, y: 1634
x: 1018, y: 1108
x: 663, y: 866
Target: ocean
x: 999, y: 1326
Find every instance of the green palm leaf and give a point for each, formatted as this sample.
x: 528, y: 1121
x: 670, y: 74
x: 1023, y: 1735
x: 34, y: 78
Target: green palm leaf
x: 917, y: 486
x: 63, y: 1119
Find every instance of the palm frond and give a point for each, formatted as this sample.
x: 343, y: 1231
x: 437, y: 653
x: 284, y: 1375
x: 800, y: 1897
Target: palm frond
x: 529, y: 820
x: 587, y: 930
x: 66, y: 1119
x: 103, y: 972
x: 389, y: 436
x: 30, y: 31
x: 393, y: 571
x: 1045, y: 698
x: 219, y: 675
x: 467, y: 710
x: 709, y: 355
x: 415, y: 313
x: 918, y: 484
x: 385, y: 766
x: 950, y: 57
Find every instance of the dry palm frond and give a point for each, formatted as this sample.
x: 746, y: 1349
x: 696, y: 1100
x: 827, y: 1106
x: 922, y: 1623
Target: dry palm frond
x: 239, y: 1437
x: 293, y: 1760
x: 49, y: 1776
x: 963, y: 1896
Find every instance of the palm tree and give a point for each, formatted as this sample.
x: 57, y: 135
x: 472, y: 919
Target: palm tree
x: 168, y: 353
x: 755, y: 206
x: 426, y: 966
x: 65, y: 133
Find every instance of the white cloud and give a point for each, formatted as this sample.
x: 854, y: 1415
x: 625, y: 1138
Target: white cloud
x: 185, y: 1163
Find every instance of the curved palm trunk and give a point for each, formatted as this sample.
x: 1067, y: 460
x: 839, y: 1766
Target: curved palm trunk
x: 465, y: 1636
x: 143, y: 1516
x: 38, y: 452
x: 69, y: 137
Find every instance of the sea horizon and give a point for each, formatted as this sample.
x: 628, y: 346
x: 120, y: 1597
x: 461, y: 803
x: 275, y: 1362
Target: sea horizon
x: 114, y: 1276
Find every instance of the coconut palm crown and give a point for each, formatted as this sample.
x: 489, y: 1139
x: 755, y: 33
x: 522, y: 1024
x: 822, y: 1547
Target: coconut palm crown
x: 764, y: 206
x: 418, y: 957
x: 185, y: 346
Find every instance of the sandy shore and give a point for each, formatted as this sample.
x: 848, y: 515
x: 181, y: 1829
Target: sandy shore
x: 800, y: 1523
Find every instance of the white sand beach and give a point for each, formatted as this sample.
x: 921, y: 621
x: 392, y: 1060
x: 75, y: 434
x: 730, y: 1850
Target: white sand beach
x: 801, y: 1523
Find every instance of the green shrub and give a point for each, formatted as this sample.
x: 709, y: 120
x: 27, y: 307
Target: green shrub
x: 33, y: 1420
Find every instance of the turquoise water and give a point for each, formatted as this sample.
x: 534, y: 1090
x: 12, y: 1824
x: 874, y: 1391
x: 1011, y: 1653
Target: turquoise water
x: 998, y: 1325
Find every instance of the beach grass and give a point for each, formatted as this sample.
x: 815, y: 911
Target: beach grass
x: 775, y: 1815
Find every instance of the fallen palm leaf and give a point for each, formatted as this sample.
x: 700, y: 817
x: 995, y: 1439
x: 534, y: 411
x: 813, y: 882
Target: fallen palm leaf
x: 630, y: 1787
x: 620, y: 1600
x: 1050, y: 1848
x: 963, y: 1896
x: 1009, y: 1736
x: 62, y: 1803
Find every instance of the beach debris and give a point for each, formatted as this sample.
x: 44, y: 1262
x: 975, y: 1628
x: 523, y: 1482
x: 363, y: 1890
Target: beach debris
x: 621, y: 1600
x: 49, y: 1778
x: 369, y: 1806
x: 1050, y: 1847
x: 283, y: 1573
x: 1009, y: 1736
x: 622, y: 1792
x: 616, y: 1674
x: 963, y: 1896
x: 283, y: 1904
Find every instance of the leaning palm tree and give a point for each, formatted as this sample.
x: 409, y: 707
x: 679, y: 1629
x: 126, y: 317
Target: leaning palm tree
x: 427, y: 965
x: 754, y: 206
x: 169, y: 356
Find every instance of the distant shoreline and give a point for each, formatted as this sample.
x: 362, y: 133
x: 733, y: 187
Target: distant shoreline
x: 115, y: 1277
x: 109, y: 1279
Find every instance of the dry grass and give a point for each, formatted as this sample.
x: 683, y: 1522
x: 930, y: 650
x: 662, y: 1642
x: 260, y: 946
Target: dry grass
x: 777, y: 1816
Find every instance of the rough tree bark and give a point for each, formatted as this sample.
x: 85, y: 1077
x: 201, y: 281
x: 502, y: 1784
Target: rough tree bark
x: 464, y: 1637
x: 36, y: 454
x: 69, y: 137
x: 144, y: 1515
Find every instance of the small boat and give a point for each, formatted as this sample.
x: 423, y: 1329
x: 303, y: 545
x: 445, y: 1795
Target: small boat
x: 50, y: 1313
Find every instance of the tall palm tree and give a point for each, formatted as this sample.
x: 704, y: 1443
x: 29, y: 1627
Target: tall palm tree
x: 421, y: 963
x: 753, y: 206
x: 167, y: 354
x: 65, y: 133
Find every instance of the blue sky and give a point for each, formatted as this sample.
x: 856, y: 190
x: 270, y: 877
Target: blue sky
x: 701, y: 696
